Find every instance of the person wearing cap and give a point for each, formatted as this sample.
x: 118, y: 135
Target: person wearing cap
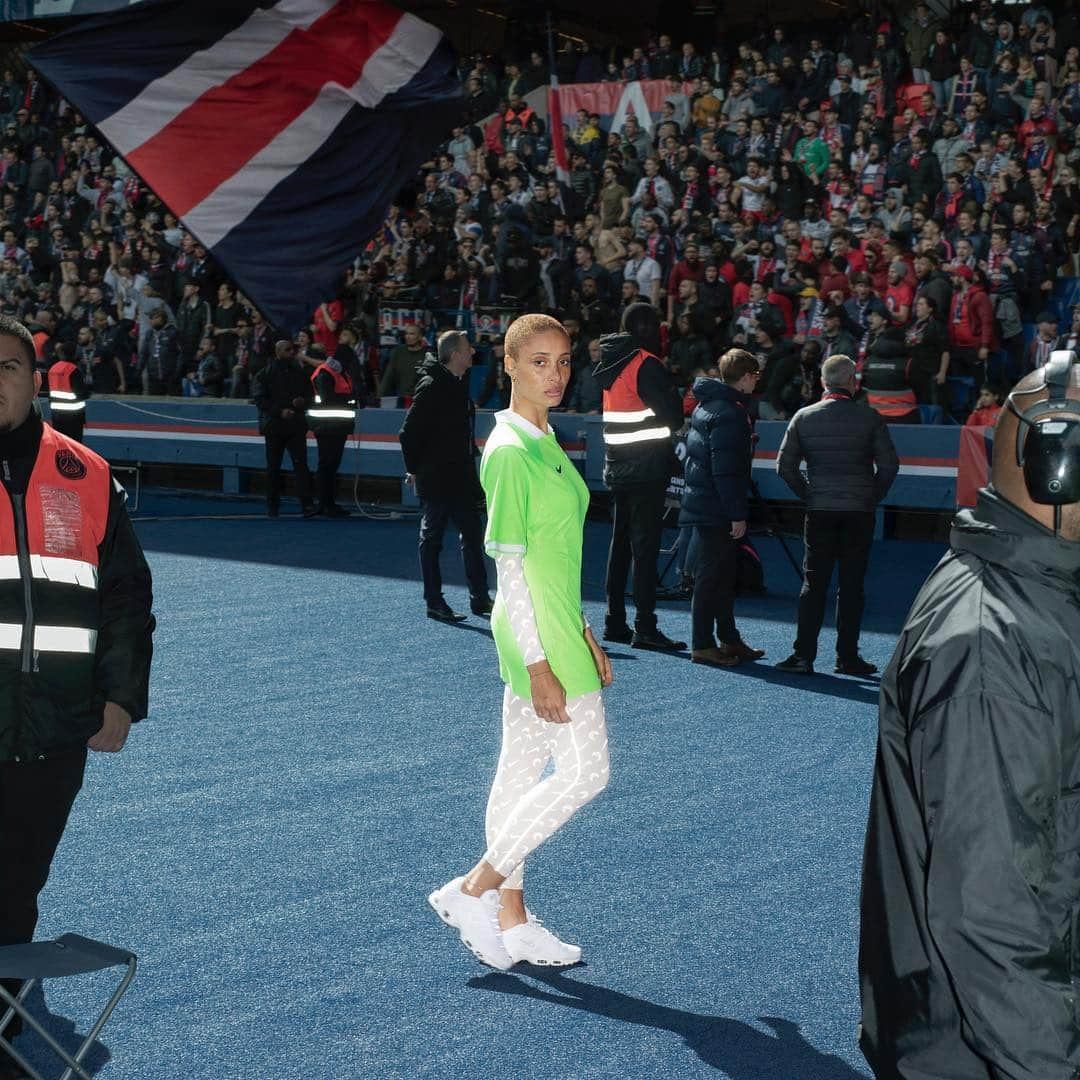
x: 970, y: 876
x: 886, y: 371
x: 1043, y: 343
x: 834, y: 338
x: 971, y: 324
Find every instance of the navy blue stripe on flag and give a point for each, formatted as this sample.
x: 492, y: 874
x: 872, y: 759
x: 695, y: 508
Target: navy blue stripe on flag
x: 105, y: 62
x: 289, y: 254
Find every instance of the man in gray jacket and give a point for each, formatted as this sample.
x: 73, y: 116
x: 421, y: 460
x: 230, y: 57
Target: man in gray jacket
x: 851, y: 464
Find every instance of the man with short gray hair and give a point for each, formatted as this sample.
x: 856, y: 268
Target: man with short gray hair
x: 438, y: 443
x: 850, y: 465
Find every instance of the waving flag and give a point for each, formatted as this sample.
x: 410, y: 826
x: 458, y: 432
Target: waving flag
x: 279, y: 133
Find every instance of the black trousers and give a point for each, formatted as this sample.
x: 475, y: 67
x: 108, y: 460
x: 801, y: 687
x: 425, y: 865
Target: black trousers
x: 331, y: 450
x: 834, y: 537
x: 437, y: 514
x: 296, y: 445
x: 35, y: 800
x: 713, y: 602
x: 71, y: 424
x: 635, y: 538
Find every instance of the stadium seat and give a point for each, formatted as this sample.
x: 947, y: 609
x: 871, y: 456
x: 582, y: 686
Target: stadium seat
x: 961, y: 395
x: 66, y: 956
x: 909, y: 96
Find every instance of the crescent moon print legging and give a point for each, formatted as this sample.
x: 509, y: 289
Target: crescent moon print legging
x: 524, y: 810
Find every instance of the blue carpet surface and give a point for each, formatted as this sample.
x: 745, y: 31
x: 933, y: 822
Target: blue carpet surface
x: 317, y: 760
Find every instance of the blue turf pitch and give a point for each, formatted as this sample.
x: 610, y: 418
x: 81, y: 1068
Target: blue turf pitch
x: 317, y: 760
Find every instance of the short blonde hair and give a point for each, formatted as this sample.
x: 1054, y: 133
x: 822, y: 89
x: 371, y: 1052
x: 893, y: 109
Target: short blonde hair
x: 528, y: 326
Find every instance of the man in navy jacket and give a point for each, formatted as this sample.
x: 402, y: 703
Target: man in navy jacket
x: 719, y: 454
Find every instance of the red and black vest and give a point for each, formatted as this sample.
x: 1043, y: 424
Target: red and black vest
x: 49, y: 599
x: 62, y: 395
x: 888, y: 388
x: 628, y: 421
x: 339, y: 407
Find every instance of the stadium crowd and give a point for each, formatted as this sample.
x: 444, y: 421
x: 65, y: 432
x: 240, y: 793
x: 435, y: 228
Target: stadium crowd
x: 900, y: 190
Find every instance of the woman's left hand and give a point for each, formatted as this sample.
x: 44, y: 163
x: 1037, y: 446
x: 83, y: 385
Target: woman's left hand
x: 600, y: 658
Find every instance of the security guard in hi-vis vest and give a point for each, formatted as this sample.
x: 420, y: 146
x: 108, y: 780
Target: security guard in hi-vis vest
x: 67, y: 394
x: 642, y: 412
x: 332, y: 417
x: 75, y: 630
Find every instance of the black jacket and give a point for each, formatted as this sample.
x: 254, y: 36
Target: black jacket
x: 438, y: 437
x: 841, y: 440
x: 274, y: 389
x: 719, y: 455
x: 647, y: 463
x: 44, y: 711
x: 970, y: 945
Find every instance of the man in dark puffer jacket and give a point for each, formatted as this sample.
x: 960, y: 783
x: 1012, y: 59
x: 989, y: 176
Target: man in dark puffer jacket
x: 719, y: 454
x: 851, y: 464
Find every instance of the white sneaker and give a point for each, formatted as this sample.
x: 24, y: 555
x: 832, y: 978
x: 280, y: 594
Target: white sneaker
x: 533, y: 943
x: 476, y: 918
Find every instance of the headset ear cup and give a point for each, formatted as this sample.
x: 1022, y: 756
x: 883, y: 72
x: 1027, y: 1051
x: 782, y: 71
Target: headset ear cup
x: 1051, y: 461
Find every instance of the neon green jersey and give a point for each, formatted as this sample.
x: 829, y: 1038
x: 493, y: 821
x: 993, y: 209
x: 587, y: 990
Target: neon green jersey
x: 536, y: 504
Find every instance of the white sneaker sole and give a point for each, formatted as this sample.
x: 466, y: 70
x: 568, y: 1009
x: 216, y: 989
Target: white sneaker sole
x: 441, y: 910
x: 546, y: 963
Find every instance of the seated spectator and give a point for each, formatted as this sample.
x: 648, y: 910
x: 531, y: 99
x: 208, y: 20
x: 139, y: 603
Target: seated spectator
x: 987, y: 408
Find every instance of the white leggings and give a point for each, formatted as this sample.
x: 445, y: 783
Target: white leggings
x: 523, y: 810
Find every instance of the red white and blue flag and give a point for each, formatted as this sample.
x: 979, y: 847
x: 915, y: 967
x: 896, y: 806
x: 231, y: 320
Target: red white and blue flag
x: 279, y: 133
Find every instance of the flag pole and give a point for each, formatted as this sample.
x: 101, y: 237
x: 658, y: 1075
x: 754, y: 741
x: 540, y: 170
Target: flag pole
x: 558, y: 139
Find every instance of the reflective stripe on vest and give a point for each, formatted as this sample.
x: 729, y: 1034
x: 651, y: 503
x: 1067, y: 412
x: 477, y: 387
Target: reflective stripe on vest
x: 52, y: 568
x: 626, y: 416
x: 49, y: 563
x: 343, y: 388
x: 67, y: 406
x: 50, y: 639
x: 892, y: 402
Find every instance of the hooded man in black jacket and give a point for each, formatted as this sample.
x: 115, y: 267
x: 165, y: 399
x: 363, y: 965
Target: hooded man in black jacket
x: 75, y: 643
x: 642, y: 412
x: 970, y: 943
x: 438, y: 443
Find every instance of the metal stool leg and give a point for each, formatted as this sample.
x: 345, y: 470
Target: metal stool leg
x: 101, y: 1021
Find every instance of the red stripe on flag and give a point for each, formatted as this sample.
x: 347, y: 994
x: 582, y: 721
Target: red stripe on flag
x: 215, y: 137
x: 558, y: 137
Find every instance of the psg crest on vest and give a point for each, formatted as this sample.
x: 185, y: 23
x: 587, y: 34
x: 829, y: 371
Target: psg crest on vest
x: 67, y: 464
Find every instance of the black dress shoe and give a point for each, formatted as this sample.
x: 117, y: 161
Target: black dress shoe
x: 855, y: 666
x: 444, y: 614
x: 481, y: 605
x: 622, y: 635
x: 796, y: 665
x: 309, y: 510
x: 656, y: 641
x: 271, y: 511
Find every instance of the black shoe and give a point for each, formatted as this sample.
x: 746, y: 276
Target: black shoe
x: 622, y: 635
x: 481, y: 605
x: 856, y: 666
x: 796, y: 665
x: 444, y: 614
x: 656, y: 641
x: 309, y: 509
x: 272, y: 511
x: 334, y: 511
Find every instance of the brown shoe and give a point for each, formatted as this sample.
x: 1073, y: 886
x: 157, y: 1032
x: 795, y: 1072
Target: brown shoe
x: 742, y: 651
x: 713, y: 657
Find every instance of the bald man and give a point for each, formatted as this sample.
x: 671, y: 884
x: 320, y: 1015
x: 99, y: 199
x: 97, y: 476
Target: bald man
x: 970, y: 939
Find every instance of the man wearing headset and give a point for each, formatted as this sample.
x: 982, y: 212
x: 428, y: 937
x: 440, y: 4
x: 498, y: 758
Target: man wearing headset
x: 970, y: 942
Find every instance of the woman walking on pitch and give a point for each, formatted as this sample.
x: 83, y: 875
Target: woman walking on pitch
x: 548, y: 657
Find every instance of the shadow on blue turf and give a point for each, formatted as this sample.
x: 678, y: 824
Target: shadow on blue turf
x: 63, y: 1031
x: 736, y: 1048
x: 864, y: 691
